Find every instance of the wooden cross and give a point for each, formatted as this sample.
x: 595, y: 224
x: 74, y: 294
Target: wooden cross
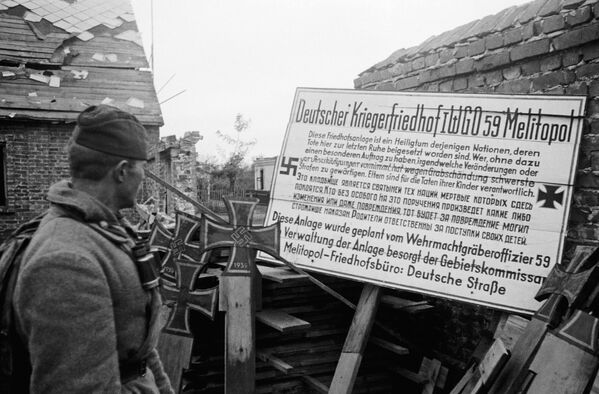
x: 178, y: 246
x: 185, y: 297
x: 238, y: 283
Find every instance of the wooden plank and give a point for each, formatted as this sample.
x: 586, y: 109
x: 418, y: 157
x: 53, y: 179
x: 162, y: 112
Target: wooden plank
x: 346, y: 373
x: 71, y: 87
x: 118, y: 84
x: 405, y: 305
x: 275, y: 362
x: 281, y: 321
x: 279, y: 275
x: 299, y: 349
x: 315, y: 384
x: 510, y: 328
x: 65, y: 116
x: 418, y: 308
x: 66, y: 113
x: 121, y: 81
x: 400, y: 303
x: 400, y: 350
x: 175, y: 353
x: 429, y: 369
x: 459, y: 387
x: 442, y: 379
x: 493, y: 361
x: 595, y: 388
x: 357, y: 338
x: 480, y: 376
x: 23, y: 101
x: 409, y: 375
x: 33, y: 45
x: 237, y: 298
x: 16, y: 55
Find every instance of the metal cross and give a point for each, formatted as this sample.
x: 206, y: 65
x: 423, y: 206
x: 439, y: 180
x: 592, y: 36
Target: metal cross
x: 574, y: 286
x: 178, y: 246
x: 185, y: 297
x: 240, y: 236
x: 239, y: 287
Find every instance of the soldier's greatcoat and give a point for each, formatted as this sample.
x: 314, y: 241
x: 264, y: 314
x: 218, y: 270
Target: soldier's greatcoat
x: 80, y: 307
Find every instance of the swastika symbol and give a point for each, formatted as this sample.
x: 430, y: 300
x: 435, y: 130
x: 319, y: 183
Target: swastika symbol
x: 290, y: 165
x: 241, y: 236
x: 176, y: 246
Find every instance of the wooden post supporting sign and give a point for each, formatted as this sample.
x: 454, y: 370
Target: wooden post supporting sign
x: 355, y: 343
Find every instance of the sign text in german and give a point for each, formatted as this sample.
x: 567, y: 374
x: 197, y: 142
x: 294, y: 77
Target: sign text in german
x: 456, y: 195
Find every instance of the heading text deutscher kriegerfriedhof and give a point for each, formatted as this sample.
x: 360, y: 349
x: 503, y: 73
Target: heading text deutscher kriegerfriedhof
x: 462, y: 196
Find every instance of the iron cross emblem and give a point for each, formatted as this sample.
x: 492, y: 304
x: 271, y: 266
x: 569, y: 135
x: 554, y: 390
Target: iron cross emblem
x: 185, y: 297
x: 549, y: 196
x: 178, y: 246
x: 240, y: 236
x: 239, y: 286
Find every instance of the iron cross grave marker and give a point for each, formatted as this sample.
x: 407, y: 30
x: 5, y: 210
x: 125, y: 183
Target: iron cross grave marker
x: 178, y: 246
x: 238, y: 295
x: 240, y: 236
x: 185, y: 297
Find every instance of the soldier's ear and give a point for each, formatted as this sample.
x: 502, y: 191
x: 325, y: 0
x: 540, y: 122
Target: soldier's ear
x: 119, y: 171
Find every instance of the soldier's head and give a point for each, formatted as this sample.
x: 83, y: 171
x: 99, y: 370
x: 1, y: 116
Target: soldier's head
x: 109, y: 146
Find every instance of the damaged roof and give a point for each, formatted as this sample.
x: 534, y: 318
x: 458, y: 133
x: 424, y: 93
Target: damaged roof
x: 57, y: 57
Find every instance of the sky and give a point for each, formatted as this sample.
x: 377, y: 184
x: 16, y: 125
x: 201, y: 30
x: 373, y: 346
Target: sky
x: 214, y: 59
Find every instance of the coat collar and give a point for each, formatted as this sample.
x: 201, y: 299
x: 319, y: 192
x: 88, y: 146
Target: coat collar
x: 92, y: 211
x: 90, y: 208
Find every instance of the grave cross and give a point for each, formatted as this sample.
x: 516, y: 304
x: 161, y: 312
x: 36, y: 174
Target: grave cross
x: 185, y: 297
x: 238, y: 286
x: 579, y: 271
x: 180, y: 266
x: 573, y: 286
x: 178, y: 246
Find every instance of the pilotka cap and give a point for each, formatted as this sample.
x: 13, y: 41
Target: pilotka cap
x: 107, y: 129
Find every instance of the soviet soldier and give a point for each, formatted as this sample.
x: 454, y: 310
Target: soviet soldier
x: 86, y: 321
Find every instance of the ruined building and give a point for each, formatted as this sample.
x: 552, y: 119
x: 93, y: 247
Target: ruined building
x: 177, y: 165
x: 56, y: 58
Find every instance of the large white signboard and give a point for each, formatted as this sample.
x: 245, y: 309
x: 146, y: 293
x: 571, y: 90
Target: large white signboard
x: 456, y: 195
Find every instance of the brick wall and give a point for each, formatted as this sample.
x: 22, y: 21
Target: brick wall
x: 542, y: 47
x: 35, y: 159
x: 555, y: 52
x: 176, y: 164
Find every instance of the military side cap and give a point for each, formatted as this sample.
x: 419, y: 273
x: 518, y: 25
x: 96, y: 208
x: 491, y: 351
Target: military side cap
x: 107, y: 129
